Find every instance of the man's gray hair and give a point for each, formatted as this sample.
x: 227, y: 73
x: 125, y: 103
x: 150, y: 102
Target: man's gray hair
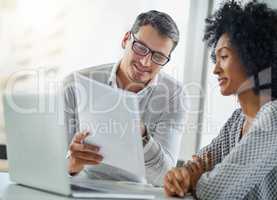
x: 161, y: 22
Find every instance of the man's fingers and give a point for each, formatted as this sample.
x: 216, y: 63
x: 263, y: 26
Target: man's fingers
x: 86, y: 162
x: 79, y: 137
x: 83, y: 147
x: 87, y: 156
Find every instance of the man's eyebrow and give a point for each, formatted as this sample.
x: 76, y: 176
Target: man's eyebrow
x: 138, y: 40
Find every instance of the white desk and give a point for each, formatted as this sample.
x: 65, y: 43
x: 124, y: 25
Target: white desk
x: 10, y: 191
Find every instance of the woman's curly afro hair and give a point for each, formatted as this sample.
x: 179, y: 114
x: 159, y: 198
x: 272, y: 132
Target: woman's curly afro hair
x: 252, y: 30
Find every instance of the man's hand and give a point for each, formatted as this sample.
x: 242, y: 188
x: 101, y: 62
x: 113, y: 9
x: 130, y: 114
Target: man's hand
x: 142, y: 129
x: 82, y: 154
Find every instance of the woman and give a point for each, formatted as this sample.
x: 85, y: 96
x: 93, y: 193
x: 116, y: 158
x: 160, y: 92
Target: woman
x: 241, y: 162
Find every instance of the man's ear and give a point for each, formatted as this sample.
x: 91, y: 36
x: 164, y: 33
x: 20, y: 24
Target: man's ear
x: 125, y: 39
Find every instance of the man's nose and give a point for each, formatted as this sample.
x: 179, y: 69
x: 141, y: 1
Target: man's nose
x: 146, y: 60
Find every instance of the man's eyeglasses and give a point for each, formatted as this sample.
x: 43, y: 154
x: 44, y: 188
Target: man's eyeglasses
x: 142, y: 50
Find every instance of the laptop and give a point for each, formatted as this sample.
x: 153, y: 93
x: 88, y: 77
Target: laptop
x: 37, y: 146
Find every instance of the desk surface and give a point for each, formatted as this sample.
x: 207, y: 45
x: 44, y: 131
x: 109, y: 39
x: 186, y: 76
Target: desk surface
x: 10, y: 191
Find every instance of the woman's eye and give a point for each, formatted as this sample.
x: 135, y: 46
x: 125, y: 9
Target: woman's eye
x: 223, y: 57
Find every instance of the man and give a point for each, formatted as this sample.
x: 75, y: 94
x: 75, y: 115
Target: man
x: 147, y: 48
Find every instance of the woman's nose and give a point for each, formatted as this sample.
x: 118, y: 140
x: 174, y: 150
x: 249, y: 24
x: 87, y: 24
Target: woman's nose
x: 216, y: 69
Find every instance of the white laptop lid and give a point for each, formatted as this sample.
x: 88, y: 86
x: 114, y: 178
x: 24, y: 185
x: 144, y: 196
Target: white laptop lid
x: 36, y: 141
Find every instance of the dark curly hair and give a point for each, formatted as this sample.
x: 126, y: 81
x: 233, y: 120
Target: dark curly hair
x: 252, y: 30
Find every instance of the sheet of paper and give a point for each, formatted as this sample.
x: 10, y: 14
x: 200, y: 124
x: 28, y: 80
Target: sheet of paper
x: 112, y: 118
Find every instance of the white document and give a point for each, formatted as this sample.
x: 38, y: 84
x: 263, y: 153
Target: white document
x: 112, y: 118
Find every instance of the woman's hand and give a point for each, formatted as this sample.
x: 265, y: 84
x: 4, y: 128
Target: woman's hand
x: 179, y: 181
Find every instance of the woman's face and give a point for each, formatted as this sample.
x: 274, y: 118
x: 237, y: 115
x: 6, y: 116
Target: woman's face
x: 228, y: 68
